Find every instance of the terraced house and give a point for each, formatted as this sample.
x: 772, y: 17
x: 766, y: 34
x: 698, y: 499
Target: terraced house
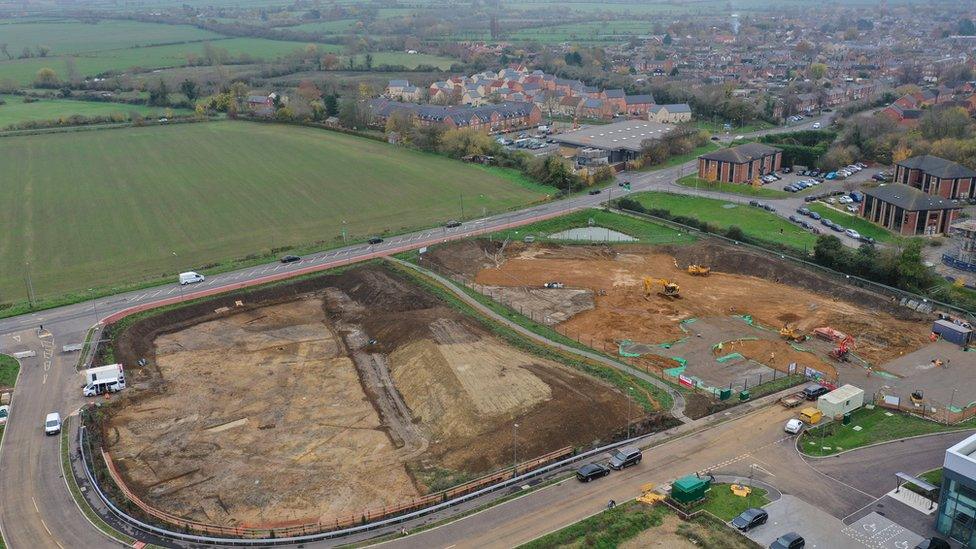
x: 937, y: 176
x: 500, y: 117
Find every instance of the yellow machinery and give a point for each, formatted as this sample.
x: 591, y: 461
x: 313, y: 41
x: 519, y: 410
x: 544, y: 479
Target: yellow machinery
x: 791, y: 333
x: 649, y: 496
x: 668, y: 289
x: 699, y: 270
x: 740, y: 490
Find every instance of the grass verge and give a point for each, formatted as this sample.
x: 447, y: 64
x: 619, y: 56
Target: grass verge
x: 682, y: 158
x: 693, y: 181
x: 848, y: 221
x: 870, y: 426
x: 607, y: 529
x: 645, y: 232
x: 725, y: 505
x: 8, y: 371
x: 90, y: 513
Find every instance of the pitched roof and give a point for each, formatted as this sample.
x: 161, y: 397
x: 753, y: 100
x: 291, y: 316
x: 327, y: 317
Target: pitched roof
x: 461, y: 115
x: 399, y: 83
x: 672, y: 108
x: 741, y: 154
x: 615, y: 94
x: 639, y: 99
x: 939, y: 167
x: 909, y: 198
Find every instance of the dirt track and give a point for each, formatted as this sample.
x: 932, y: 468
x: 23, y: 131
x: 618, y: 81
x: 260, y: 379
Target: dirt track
x: 358, y: 392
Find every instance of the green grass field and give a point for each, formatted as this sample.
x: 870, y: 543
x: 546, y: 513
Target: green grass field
x: 407, y: 60
x: 725, y: 505
x: 753, y: 221
x: 694, y: 182
x: 175, y: 55
x: 645, y: 232
x: 8, y: 371
x: 73, y: 37
x: 876, y: 425
x: 113, y: 206
x: 859, y: 224
x: 15, y: 110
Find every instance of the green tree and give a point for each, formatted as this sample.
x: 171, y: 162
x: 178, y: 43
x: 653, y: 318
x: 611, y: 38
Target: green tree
x: 46, y: 78
x: 189, y: 89
x: 331, y: 103
x: 667, y: 40
x: 953, y: 122
x: 159, y: 94
x: 818, y: 70
x: 351, y: 114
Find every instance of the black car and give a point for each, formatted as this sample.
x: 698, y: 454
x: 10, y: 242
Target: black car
x: 803, y: 211
x: 793, y: 218
x: 594, y: 191
x: 767, y: 207
x: 787, y: 170
x: 788, y: 541
x: 867, y: 239
x: 452, y: 224
x: 814, y: 391
x: 933, y: 543
x: 809, y: 198
x: 591, y: 471
x: 375, y: 240
x: 290, y: 259
x: 755, y: 203
x: 750, y: 518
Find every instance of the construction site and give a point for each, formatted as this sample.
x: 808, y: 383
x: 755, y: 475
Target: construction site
x: 706, y: 314
x: 320, y: 398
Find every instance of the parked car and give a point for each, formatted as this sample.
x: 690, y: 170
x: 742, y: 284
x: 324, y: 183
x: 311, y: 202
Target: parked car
x: 831, y: 175
x: 856, y: 196
x: 553, y: 285
x: 810, y: 198
x: 806, y: 224
x: 814, y: 173
x: 4, y: 414
x: 853, y: 209
x: 790, y: 189
x: 787, y: 170
x: 591, y: 471
x: 788, y: 541
x: 191, y: 277
x: 755, y: 203
x: 814, y: 391
x: 853, y: 234
x: 290, y: 259
x: 815, y: 216
x: 452, y: 224
x: 768, y: 208
x: 816, y: 125
x: 803, y: 211
x: 52, y: 424
x: 594, y: 191
x: 625, y: 457
x: 838, y: 228
x: 375, y: 240
x: 933, y: 543
x: 867, y: 239
x: 750, y: 518
x: 793, y: 219
x: 861, y: 165
x: 845, y: 200
x: 793, y: 426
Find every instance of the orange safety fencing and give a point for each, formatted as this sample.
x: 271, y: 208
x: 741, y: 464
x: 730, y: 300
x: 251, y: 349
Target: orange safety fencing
x: 298, y: 527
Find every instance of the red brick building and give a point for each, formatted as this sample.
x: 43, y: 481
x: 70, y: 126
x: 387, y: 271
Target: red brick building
x: 908, y: 211
x: 490, y: 118
x: 937, y: 176
x: 740, y: 164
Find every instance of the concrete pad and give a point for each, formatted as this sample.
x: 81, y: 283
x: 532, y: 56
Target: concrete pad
x: 791, y: 514
x: 918, y: 502
x: 878, y: 532
x: 593, y: 234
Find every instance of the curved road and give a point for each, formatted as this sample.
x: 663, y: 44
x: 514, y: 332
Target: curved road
x: 36, y: 509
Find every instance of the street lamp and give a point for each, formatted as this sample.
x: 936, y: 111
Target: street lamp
x: 343, y: 231
x: 514, y: 449
x: 94, y: 306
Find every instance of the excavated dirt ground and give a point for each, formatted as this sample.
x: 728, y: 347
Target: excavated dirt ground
x: 774, y: 293
x: 330, y: 396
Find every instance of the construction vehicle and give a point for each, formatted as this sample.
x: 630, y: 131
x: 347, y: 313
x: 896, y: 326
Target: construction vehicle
x: 843, y: 349
x: 791, y: 333
x: 793, y: 400
x: 668, y: 289
x: 918, y: 397
x: 698, y: 270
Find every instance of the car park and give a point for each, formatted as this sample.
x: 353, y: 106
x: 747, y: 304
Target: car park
x: 791, y: 540
x: 750, y: 518
x: 591, y: 471
x: 290, y: 259
x: 375, y: 240
x: 625, y: 457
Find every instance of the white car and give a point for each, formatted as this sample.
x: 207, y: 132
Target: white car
x: 845, y: 200
x: 816, y: 125
x: 853, y: 209
x: 793, y: 426
x: 52, y: 424
x: 853, y: 234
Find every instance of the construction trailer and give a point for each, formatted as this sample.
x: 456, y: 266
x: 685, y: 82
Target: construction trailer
x: 953, y: 332
x: 840, y: 401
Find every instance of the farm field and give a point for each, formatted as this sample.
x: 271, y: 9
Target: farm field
x: 15, y: 111
x: 408, y: 60
x: 174, y: 55
x: 596, y: 31
x: 210, y: 192
x: 372, y: 391
x: 74, y: 37
x: 752, y: 221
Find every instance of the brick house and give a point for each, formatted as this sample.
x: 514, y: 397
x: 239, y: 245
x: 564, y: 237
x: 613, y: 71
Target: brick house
x: 638, y: 105
x: 616, y: 99
x: 489, y: 118
x: 937, y: 176
x: 670, y: 114
x: 908, y: 211
x: 740, y: 164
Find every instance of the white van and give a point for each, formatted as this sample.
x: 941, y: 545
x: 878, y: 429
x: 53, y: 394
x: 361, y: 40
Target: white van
x: 103, y: 386
x: 52, y: 424
x: 190, y: 278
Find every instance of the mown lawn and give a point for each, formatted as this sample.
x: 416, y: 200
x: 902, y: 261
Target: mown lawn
x: 129, y: 205
x: 8, y: 371
x: 646, y: 232
x: 725, y: 505
x: 859, y: 224
x: 876, y: 425
x: 15, y: 111
x: 753, y: 221
x: 694, y: 182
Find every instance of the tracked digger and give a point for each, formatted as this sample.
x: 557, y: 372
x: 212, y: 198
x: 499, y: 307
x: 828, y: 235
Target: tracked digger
x: 668, y: 288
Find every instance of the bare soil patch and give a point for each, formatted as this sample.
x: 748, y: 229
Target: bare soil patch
x: 332, y: 395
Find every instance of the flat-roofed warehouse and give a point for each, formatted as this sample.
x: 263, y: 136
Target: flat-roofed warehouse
x: 621, y: 140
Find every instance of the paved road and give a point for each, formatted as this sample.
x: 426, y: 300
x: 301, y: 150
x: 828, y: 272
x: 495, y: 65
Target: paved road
x: 49, y: 382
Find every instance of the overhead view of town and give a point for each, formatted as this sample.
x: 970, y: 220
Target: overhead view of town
x: 467, y: 274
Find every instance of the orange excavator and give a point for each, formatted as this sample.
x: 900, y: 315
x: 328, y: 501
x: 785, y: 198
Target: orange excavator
x: 843, y: 349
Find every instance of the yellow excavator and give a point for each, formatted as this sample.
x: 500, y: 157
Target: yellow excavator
x: 668, y: 289
x: 791, y: 333
x: 698, y: 270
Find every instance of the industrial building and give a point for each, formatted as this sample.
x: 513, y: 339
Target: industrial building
x: 622, y: 141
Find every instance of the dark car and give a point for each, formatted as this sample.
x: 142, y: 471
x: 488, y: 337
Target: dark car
x: 594, y: 191
x: 755, y: 203
x: 809, y: 198
x: 787, y: 170
x: 803, y: 211
x: 815, y: 216
x: 814, y: 173
x: 768, y: 208
x: 838, y: 228
x: 793, y: 218
x: 625, y: 457
x: 933, y: 543
x: 290, y: 259
x: 591, y: 471
x: 714, y: 138
x: 375, y: 240
x: 452, y: 224
x: 806, y: 225
x: 750, y: 518
x: 788, y: 541
x: 867, y: 239
x: 814, y: 391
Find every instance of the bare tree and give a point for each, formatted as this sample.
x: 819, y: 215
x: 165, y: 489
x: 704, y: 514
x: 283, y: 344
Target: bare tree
x: 3, y: 50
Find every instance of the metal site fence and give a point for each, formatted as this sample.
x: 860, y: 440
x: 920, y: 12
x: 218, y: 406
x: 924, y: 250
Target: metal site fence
x: 304, y: 527
x: 927, y: 408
